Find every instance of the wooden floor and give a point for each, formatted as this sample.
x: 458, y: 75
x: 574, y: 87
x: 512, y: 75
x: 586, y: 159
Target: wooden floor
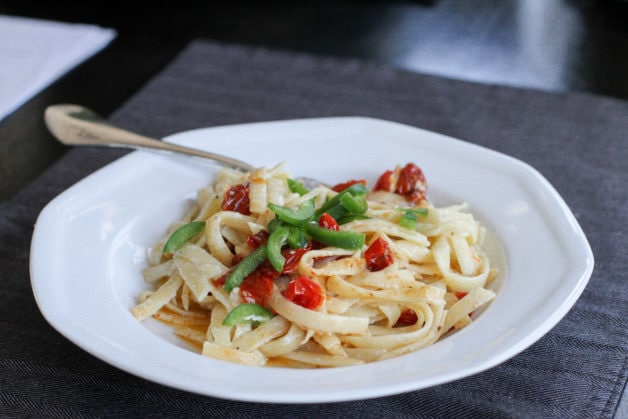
x: 555, y: 45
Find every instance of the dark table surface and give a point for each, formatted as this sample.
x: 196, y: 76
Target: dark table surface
x: 574, y: 50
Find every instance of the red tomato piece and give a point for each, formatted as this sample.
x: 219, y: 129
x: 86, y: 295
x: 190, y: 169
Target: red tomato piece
x: 412, y: 183
x: 386, y: 182
x: 237, y: 259
x: 342, y: 186
x: 328, y: 221
x: 304, y: 292
x: 220, y: 281
x: 292, y: 256
x: 256, y: 240
x: 378, y: 255
x: 257, y: 287
x: 237, y: 199
x: 407, y: 318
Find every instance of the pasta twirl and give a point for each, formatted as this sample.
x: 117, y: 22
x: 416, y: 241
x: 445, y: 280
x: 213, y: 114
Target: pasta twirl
x: 341, y: 276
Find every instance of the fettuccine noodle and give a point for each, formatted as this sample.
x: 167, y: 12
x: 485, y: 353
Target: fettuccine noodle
x: 434, y: 277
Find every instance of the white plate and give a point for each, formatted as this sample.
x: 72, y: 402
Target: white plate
x: 90, y: 244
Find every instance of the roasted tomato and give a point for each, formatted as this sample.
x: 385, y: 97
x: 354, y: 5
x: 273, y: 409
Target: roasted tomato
x: 257, y: 287
x: 378, y: 255
x: 304, y: 292
x: 328, y: 221
x: 412, y: 183
x: 220, y: 281
x: 293, y: 256
x: 256, y: 240
x: 407, y: 318
x: 237, y: 199
x: 342, y: 186
x: 387, y: 181
x: 408, y: 181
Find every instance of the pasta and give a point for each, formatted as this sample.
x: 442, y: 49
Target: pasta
x: 263, y: 271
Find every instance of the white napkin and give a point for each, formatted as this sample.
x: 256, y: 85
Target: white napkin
x: 34, y: 53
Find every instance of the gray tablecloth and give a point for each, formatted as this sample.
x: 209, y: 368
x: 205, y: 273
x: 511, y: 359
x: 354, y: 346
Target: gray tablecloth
x: 578, y: 141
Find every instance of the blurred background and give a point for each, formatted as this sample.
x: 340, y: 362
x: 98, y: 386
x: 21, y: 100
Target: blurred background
x: 552, y: 45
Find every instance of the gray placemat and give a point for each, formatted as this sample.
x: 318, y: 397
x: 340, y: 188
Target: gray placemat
x: 577, y: 141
